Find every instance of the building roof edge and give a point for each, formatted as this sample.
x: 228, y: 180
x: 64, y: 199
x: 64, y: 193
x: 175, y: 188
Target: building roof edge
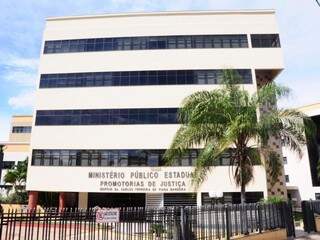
x: 139, y: 14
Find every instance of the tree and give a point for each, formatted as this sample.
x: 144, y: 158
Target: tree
x: 17, y: 175
x: 227, y: 119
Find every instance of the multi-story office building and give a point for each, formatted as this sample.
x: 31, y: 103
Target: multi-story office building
x: 17, y: 148
x: 302, y: 174
x: 107, y: 99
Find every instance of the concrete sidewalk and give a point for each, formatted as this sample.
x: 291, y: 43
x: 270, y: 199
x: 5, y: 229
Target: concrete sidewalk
x: 300, y: 234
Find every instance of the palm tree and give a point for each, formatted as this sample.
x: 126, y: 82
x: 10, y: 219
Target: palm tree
x: 17, y: 175
x: 227, y: 119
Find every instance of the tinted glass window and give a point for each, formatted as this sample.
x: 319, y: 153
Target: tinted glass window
x: 134, y: 78
x: 287, y: 178
x: 265, y: 40
x: 7, y: 164
x: 144, y: 43
x: 22, y: 129
x: 107, y: 116
x: 118, y: 158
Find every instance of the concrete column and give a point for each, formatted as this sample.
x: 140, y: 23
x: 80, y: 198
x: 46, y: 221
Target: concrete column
x: 199, y: 199
x: 33, y: 199
x: 83, y: 200
x: 62, y: 201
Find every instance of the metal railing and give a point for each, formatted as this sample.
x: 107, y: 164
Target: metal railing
x: 309, y: 210
x: 225, y: 221
x: 174, y: 223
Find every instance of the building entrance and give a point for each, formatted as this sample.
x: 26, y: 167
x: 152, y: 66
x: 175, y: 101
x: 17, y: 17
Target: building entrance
x: 116, y: 199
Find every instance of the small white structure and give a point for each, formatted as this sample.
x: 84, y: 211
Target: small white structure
x: 302, y: 177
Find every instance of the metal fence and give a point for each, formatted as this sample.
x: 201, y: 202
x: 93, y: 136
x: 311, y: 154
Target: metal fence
x: 216, y: 222
x: 176, y: 223
x: 309, y: 210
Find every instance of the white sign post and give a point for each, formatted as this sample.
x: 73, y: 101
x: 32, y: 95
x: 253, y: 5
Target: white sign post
x: 107, y: 215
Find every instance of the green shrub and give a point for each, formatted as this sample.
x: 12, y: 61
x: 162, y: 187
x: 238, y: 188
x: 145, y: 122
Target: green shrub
x: 157, y: 229
x: 273, y: 199
x: 15, y: 198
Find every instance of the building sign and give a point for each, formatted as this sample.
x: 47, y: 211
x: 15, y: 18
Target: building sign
x: 107, y: 215
x: 142, y: 180
x: 176, y: 179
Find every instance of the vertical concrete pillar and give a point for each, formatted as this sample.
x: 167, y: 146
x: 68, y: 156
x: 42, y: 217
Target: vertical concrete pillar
x: 32, y: 199
x: 199, y: 199
x: 277, y: 187
x: 62, y: 201
x: 83, y: 200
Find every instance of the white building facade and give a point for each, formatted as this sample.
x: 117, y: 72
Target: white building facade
x: 107, y: 99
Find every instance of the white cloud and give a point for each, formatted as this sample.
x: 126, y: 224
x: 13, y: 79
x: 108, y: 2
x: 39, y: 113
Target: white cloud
x: 20, y: 62
x: 19, y: 70
x: 22, y: 78
x: 22, y: 100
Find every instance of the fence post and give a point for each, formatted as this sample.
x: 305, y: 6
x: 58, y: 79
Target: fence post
x: 182, y: 224
x: 1, y: 221
x: 260, y: 218
x: 227, y: 222
x: 284, y: 215
x: 292, y: 227
x: 312, y: 217
x: 308, y: 216
x: 305, y: 217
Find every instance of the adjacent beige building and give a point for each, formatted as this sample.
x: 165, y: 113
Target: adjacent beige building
x: 17, y: 148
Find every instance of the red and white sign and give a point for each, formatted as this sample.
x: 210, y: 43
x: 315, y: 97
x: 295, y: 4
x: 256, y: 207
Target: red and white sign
x: 107, y: 215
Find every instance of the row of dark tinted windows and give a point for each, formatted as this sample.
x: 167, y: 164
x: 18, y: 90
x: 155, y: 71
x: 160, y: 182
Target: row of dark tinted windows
x: 179, y: 199
x: 8, y: 164
x: 143, y: 43
x: 232, y: 197
x: 134, y: 78
x: 21, y: 129
x: 107, y: 116
x: 114, y: 158
x: 265, y: 40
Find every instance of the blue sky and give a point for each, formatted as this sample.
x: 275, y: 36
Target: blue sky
x: 22, y: 23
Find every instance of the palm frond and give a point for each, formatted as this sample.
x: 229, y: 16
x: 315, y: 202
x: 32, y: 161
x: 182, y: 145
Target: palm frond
x: 207, y: 158
x: 287, y: 124
x: 189, y: 136
x: 203, y: 107
x: 269, y: 93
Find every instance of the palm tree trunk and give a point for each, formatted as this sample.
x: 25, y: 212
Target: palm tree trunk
x: 243, y: 193
x: 244, y: 209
